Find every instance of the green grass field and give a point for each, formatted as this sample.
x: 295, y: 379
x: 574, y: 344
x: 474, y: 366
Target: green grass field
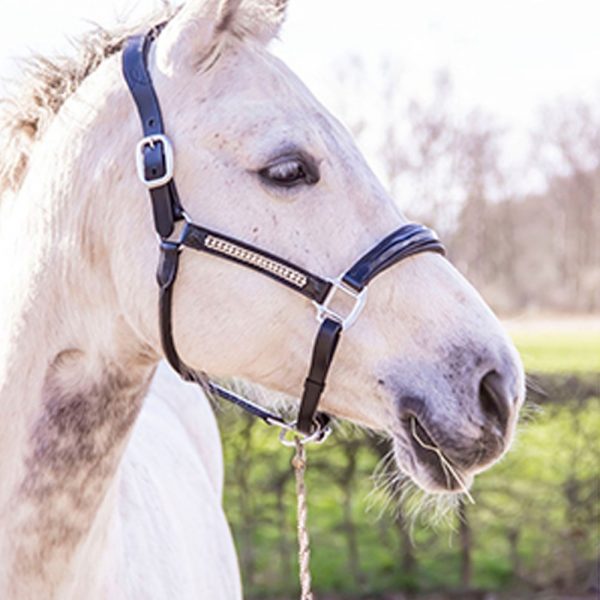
x: 559, y: 351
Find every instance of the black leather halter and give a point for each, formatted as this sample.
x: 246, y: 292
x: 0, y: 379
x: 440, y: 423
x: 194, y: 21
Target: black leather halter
x: 154, y: 160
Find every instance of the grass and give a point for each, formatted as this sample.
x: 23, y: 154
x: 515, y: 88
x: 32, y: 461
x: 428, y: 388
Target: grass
x: 559, y: 351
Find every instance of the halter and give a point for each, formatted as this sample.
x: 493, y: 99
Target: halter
x: 176, y: 231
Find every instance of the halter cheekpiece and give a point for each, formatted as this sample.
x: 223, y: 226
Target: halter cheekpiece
x: 155, y: 165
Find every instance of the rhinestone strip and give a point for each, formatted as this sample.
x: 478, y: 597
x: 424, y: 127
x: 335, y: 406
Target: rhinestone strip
x: 253, y: 258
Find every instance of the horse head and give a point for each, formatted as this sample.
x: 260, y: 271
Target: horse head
x: 258, y: 158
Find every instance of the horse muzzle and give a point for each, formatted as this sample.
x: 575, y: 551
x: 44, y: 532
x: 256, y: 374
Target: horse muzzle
x: 441, y: 448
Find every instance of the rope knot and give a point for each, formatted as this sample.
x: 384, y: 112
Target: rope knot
x: 298, y: 463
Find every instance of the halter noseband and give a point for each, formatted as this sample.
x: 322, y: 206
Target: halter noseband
x: 154, y: 160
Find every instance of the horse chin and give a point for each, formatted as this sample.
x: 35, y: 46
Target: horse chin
x: 426, y: 470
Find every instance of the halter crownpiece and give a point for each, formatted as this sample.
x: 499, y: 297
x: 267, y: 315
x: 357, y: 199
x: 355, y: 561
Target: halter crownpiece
x: 155, y: 164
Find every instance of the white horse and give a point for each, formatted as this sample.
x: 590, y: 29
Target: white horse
x: 110, y: 492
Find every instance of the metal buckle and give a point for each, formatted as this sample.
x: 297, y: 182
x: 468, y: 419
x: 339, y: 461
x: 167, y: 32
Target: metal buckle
x: 318, y: 436
x: 179, y: 234
x: 324, y: 310
x: 151, y: 141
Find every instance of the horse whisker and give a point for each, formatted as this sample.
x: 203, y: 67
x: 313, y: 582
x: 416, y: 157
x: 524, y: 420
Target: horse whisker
x: 445, y: 463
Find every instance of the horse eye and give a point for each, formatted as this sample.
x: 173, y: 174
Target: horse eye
x: 289, y: 172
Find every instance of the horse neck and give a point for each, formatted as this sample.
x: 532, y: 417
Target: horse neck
x: 72, y: 377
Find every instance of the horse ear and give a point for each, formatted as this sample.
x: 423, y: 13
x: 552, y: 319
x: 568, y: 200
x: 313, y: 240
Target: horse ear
x: 195, y: 30
x: 259, y: 19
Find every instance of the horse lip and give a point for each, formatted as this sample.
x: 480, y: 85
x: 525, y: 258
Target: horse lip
x: 429, y: 459
x: 421, y: 430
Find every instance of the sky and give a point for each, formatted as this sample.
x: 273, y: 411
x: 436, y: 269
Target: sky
x: 506, y: 57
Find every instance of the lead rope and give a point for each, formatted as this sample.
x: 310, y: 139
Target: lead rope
x: 299, y: 464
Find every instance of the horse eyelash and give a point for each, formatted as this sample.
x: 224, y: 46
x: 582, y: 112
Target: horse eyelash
x: 309, y: 167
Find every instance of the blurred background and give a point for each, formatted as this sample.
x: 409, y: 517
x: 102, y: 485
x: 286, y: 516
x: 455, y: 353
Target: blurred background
x: 483, y: 119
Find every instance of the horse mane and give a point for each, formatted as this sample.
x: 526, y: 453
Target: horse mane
x: 45, y: 85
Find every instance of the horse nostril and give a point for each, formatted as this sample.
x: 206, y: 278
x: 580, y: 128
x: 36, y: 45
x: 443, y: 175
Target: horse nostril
x: 494, y: 399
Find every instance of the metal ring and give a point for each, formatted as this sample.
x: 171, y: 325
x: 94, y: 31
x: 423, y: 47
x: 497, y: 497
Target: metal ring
x: 316, y: 437
x: 324, y: 310
x: 177, y: 241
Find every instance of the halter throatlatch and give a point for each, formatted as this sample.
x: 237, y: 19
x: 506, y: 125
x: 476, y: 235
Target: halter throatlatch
x: 155, y: 165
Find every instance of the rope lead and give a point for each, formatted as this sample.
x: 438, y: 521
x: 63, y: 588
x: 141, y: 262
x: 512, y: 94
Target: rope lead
x: 299, y: 464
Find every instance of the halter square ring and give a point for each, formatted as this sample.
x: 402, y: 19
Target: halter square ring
x: 325, y: 311
x: 151, y: 141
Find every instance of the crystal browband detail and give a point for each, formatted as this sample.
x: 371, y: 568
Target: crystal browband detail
x: 253, y: 258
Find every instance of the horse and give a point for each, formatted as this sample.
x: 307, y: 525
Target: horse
x: 112, y: 480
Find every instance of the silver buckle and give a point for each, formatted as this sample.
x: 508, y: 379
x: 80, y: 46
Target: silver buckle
x: 179, y: 232
x: 324, y: 310
x: 318, y: 436
x: 152, y: 140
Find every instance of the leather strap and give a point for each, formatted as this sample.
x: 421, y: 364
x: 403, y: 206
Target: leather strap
x: 314, y: 385
x: 165, y: 276
x: 404, y: 242
x: 296, y: 278
x: 135, y: 70
x: 166, y: 206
